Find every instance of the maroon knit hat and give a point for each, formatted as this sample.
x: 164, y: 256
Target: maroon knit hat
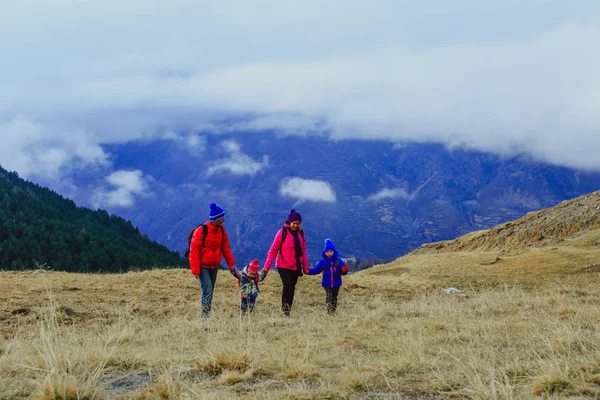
x: 294, y: 216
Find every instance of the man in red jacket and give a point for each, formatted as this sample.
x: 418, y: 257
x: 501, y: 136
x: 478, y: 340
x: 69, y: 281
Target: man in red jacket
x: 207, y: 252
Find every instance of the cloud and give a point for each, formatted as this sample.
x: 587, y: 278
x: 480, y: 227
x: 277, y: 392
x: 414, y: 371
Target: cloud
x: 237, y: 162
x: 389, y: 194
x: 307, y: 190
x: 469, y: 74
x: 30, y: 149
x: 285, y: 124
x: 125, y: 187
x: 193, y: 143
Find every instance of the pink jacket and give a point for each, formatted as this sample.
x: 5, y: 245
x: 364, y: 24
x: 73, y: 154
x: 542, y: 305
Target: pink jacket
x: 288, y: 261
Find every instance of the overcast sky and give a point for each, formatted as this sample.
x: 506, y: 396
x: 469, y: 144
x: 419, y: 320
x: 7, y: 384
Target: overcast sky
x: 505, y: 76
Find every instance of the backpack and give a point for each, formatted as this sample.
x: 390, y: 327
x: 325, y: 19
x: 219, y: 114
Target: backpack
x: 283, y: 236
x: 204, y: 234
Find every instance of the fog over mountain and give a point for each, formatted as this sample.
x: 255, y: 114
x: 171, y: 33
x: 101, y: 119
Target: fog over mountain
x: 420, y: 119
x: 505, y: 77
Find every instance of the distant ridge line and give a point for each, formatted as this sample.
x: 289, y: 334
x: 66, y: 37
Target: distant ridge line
x: 569, y: 219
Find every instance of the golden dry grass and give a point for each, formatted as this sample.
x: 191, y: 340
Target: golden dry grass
x: 529, y: 267
x: 529, y: 328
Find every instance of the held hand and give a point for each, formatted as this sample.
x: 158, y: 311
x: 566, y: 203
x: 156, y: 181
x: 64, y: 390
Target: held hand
x: 232, y: 267
x: 306, y: 271
x: 196, y: 276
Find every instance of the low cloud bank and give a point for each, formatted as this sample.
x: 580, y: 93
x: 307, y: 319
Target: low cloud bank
x: 307, y: 190
x: 237, y: 162
x: 389, y: 194
x: 372, y: 73
x: 124, y: 187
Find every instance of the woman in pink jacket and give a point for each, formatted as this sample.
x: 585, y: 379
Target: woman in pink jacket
x: 289, y: 252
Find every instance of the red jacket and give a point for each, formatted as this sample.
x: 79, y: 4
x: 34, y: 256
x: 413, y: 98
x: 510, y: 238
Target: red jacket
x: 216, y: 246
x: 288, y: 250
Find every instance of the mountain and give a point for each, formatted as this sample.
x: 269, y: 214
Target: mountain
x: 554, y: 248
x: 38, y: 227
x: 440, y: 193
x: 568, y: 220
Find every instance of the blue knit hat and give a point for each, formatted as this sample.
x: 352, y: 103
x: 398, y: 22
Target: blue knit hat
x: 216, y: 212
x: 328, y: 245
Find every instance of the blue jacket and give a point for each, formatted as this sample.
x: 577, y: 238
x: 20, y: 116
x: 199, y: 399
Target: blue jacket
x: 333, y: 268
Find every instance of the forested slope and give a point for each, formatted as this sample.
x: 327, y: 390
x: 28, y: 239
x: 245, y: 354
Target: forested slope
x: 40, y: 227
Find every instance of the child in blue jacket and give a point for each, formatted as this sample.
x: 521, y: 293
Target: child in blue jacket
x: 333, y: 268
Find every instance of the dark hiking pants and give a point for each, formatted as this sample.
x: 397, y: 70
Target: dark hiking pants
x: 331, y: 295
x: 247, y: 304
x: 289, y: 278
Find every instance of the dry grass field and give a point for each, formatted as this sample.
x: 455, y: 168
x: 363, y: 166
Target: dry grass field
x: 529, y: 327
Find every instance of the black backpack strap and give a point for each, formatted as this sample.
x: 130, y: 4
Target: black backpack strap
x: 204, y: 234
x: 283, y: 235
x: 191, y: 235
x: 187, y: 253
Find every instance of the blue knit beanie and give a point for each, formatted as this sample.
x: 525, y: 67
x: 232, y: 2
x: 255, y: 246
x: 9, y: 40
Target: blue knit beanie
x: 216, y: 212
x: 328, y: 245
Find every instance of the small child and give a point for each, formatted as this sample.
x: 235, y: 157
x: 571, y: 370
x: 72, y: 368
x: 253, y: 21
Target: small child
x: 248, y: 280
x: 333, y: 268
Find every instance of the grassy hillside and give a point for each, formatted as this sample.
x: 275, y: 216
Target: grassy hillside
x: 529, y: 326
x: 40, y: 227
x: 529, y: 267
x: 569, y: 219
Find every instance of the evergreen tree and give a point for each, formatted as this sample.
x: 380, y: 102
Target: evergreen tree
x: 38, y: 226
